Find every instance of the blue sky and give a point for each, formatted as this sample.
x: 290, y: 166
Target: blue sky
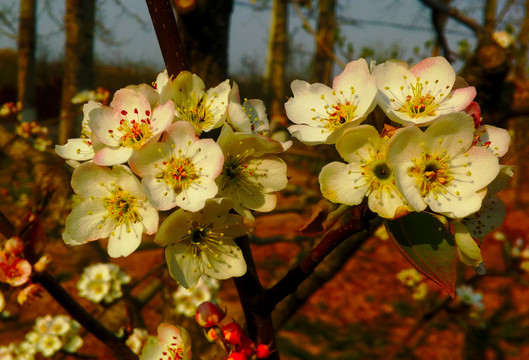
x: 249, y: 30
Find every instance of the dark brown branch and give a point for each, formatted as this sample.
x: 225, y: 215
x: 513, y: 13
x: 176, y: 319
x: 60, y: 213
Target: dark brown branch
x: 164, y: 23
x: 258, y: 324
x: 54, y: 288
x: 323, y: 273
x: 268, y: 299
x: 113, y: 342
x: 455, y: 14
x: 439, y: 24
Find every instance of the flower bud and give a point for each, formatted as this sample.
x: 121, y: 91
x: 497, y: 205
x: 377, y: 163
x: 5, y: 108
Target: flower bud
x: 247, y: 346
x: 212, y: 334
x: 263, y: 351
x: 42, y: 263
x: 14, y: 246
x: 208, y: 314
x: 236, y: 356
x: 232, y: 333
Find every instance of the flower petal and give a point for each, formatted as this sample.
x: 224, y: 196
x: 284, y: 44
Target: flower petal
x: 109, y: 156
x: 125, y: 239
x: 343, y: 183
x: 75, y: 149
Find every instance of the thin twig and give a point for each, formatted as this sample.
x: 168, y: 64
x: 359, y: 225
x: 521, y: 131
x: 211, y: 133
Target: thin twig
x: 324, y: 46
x: 455, y: 14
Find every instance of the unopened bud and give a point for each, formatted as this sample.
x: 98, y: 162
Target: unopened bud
x: 232, y: 333
x: 14, y: 246
x: 262, y: 351
x: 236, y: 356
x: 208, y: 314
x: 42, y: 263
x: 213, y: 334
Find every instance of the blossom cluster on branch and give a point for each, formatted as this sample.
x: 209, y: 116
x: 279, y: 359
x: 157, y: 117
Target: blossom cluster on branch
x: 412, y: 141
x: 144, y: 153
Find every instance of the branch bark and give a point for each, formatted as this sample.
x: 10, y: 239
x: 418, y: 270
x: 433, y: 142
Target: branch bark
x: 322, y: 274
x: 454, y: 13
x: 171, y: 45
x: 268, y: 299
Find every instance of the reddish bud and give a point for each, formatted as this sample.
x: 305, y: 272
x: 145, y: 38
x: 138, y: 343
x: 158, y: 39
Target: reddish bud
x: 208, y: 314
x: 263, y: 351
x: 236, y: 356
x: 212, y: 334
x: 247, y: 346
x: 232, y: 333
x: 14, y: 246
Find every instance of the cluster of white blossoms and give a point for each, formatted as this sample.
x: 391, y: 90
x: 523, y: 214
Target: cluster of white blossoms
x: 188, y: 300
x: 144, y: 153
x: 52, y: 334
x: 435, y: 154
x: 21, y: 351
x: 102, y: 282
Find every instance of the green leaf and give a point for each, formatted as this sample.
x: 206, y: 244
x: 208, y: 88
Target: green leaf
x: 428, y: 245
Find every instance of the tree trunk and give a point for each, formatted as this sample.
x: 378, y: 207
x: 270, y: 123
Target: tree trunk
x: 204, y: 27
x: 322, y: 67
x: 523, y: 39
x: 78, y: 63
x: 277, y: 55
x: 26, y: 60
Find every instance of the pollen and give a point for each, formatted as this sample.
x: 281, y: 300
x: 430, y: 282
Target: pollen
x: 122, y: 207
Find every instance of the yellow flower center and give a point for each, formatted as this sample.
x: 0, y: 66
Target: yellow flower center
x: 434, y: 175
x: 179, y: 173
x: 341, y: 114
x: 420, y: 102
x: 122, y: 206
x: 196, y: 110
x: 336, y: 115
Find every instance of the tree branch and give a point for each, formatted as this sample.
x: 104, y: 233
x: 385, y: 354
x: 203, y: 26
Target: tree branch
x: 322, y: 274
x: 258, y: 324
x: 455, y: 14
x: 268, y: 299
x: 113, y: 342
x: 171, y: 45
x: 309, y: 28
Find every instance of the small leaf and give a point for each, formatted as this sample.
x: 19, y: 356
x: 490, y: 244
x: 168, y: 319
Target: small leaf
x: 428, y: 245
